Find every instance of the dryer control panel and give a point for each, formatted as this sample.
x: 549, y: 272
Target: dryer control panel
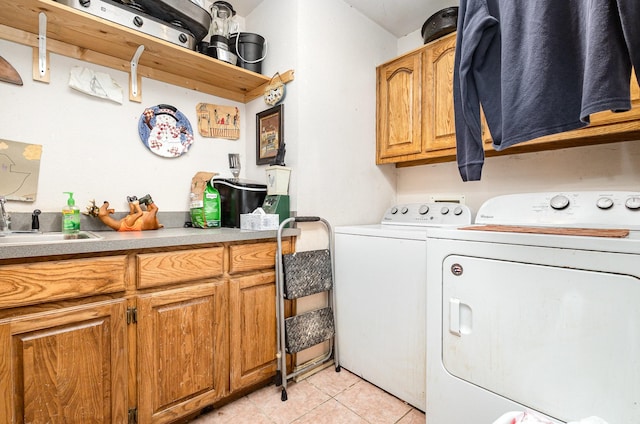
x: 582, y: 209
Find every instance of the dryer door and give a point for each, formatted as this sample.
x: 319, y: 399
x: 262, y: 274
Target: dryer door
x: 562, y: 341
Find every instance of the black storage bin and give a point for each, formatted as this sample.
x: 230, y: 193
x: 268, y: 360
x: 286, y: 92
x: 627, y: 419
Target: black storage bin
x: 250, y: 50
x: 237, y: 196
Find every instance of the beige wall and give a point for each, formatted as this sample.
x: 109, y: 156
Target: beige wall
x: 605, y: 167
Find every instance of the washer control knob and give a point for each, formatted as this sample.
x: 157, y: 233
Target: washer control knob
x: 424, y: 209
x: 444, y: 210
x: 559, y: 202
x: 633, y: 203
x: 457, y: 211
x: 404, y: 210
x: 394, y: 210
x: 604, y: 203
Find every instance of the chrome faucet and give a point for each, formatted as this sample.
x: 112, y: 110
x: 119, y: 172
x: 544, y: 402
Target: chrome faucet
x: 4, y: 216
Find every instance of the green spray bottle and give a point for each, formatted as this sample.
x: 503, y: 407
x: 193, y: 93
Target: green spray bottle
x: 70, y: 217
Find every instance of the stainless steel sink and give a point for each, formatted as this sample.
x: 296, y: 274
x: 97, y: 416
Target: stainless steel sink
x: 38, y: 238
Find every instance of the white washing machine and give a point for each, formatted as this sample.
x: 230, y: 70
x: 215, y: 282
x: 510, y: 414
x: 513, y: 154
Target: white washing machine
x: 547, y: 321
x: 380, y: 296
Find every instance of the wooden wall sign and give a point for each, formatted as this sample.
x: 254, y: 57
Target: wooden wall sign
x: 216, y: 121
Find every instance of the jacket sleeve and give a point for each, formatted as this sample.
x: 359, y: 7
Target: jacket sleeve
x: 474, y: 26
x: 630, y: 19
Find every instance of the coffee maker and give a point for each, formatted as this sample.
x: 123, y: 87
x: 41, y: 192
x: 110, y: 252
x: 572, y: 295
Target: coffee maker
x: 277, y: 199
x: 222, y: 24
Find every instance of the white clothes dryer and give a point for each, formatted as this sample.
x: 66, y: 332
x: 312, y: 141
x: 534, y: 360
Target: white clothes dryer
x: 380, y: 296
x: 536, y: 307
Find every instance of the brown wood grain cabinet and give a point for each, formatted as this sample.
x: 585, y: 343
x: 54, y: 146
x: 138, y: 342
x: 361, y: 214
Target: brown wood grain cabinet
x: 415, y: 116
x: 182, y: 350
x: 415, y: 104
x: 144, y: 336
x: 252, y: 312
x: 65, y: 366
x: 252, y: 329
x: 399, y: 108
x: 440, y: 131
x: 166, y: 268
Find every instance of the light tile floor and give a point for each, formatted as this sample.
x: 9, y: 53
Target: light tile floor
x: 326, y: 397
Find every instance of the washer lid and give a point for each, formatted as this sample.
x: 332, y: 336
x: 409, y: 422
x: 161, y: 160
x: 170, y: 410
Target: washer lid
x: 404, y: 232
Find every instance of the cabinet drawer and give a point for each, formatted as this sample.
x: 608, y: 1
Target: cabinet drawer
x: 28, y: 284
x: 255, y: 256
x: 158, y: 269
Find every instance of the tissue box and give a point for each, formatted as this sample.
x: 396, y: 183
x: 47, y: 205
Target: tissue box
x: 256, y: 221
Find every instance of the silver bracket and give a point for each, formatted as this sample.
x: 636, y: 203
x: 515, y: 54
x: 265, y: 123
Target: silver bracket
x: 42, y: 44
x: 40, y: 53
x: 134, y: 92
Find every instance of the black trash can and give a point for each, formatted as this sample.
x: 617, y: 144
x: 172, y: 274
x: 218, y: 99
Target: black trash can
x: 250, y: 49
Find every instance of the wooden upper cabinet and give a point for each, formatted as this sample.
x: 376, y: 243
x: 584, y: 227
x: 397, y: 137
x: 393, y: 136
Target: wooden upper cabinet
x: 415, y: 105
x: 439, y: 130
x: 399, y: 110
x: 416, y: 89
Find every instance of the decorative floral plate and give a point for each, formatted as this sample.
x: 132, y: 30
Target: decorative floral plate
x: 165, y: 131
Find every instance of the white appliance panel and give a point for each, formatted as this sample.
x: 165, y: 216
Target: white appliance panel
x: 380, y: 291
x: 582, y: 209
x: 571, y: 281
x: 561, y: 341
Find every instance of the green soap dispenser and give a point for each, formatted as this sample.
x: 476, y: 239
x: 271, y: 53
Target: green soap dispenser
x: 70, y: 218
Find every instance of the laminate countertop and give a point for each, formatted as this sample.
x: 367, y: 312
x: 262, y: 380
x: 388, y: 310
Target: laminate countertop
x: 109, y: 241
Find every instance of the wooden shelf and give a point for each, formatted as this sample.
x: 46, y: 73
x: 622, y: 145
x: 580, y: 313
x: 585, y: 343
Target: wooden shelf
x: 83, y: 36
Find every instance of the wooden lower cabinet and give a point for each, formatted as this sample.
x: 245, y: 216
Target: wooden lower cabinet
x: 148, y: 336
x: 66, y: 366
x: 181, y: 351
x: 252, y: 338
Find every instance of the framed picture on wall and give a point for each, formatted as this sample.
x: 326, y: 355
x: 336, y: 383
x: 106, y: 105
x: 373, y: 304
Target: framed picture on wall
x: 269, y: 134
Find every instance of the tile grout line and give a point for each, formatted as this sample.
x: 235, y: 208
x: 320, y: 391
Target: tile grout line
x: 334, y: 398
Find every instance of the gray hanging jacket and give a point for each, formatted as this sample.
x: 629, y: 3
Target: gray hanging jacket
x: 538, y: 68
